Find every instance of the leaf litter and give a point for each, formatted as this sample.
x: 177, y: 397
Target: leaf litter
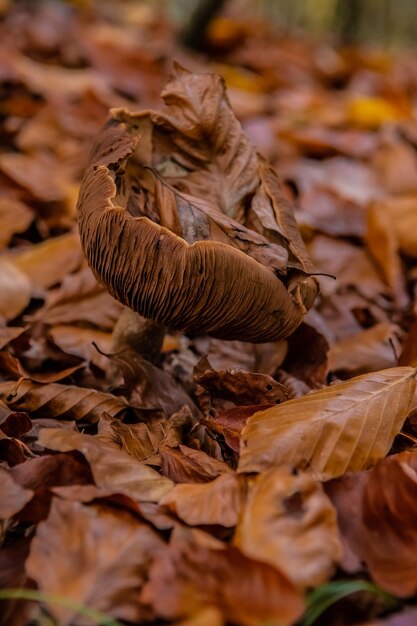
x: 214, y: 481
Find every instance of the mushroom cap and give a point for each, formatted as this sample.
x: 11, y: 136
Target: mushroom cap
x: 184, y: 222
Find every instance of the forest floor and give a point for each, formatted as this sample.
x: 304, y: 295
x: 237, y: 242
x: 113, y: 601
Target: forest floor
x: 224, y: 482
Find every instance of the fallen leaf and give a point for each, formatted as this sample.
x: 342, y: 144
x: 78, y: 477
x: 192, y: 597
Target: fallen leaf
x: 80, y: 298
x: 46, y: 263
x: 396, y: 164
x: 13, y: 423
x: 81, y: 342
x: 96, y: 556
x: 13, y: 496
x: 383, y: 244
x: 190, y: 575
x: 216, y: 502
x: 307, y: 357
x: 15, y: 288
x: 58, y: 400
x: 111, y: 468
x: 241, y: 387
x: 230, y: 422
x: 400, y: 213
x: 367, y: 351
x: 376, y: 512
x: 345, y: 427
x: 15, y: 217
x: 290, y: 523
x: 142, y: 441
x: 408, y: 354
x: 186, y: 465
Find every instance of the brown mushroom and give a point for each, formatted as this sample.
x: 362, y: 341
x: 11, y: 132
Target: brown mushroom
x: 184, y: 222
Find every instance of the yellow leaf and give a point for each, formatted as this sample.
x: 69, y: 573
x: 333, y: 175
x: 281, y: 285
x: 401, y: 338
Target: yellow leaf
x: 372, y: 112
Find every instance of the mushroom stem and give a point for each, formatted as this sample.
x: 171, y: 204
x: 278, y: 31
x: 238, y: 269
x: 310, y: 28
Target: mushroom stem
x: 134, y: 332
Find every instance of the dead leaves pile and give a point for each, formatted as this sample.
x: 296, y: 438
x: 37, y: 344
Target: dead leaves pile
x: 221, y: 483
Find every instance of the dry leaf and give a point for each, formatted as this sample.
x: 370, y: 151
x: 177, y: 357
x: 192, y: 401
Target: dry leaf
x: 383, y: 244
x: 111, y: 468
x: 58, y: 400
x: 80, y: 299
x: 13, y: 496
x: 15, y: 217
x: 96, y: 556
x: 376, y: 512
x: 290, y: 523
x: 217, y: 502
x: 192, y: 574
x: 229, y: 423
x: 345, y: 427
x: 239, y: 386
x: 15, y: 288
x: 186, y: 465
x: 367, y: 351
x: 46, y: 263
x: 401, y: 214
x: 143, y: 441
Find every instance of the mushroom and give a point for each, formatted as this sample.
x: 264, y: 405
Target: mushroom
x: 185, y: 223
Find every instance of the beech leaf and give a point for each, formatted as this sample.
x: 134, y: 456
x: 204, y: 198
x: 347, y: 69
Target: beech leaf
x: 344, y: 427
x: 96, y: 555
x: 58, y: 400
x: 289, y: 522
x: 111, y: 468
x: 217, y: 502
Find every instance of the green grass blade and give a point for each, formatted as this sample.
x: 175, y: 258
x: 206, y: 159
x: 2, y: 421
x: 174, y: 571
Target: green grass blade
x: 38, y: 596
x: 325, y: 596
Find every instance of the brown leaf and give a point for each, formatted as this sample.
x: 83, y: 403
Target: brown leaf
x: 408, y: 354
x: 347, y: 262
x: 307, y: 356
x: 11, y: 367
x: 111, y: 468
x: 241, y: 387
x: 376, y: 512
x: 383, y: 244
x: 94, y: 555
x: 15, y: 288
x: 46, y: 263
x: 290, y: 523
x: 191, y: 574
x: 400, y: 212
x: 15, y: 217
x: 263, y: 358
x: 186, y: 465
x: 142, y: 441
x: 43, y: 473
x: 13, y: 496
x: 148, y: 386
x: 367, y: 351
x: 80, y: 299
x: 216, y: 502
x: 9, y: 333
x: 58, y: 400
x: 12, y: 574
x: 13, y: 423
x: 79, y: 342
x: 396, y: 164
x: 41, y: 176
x: 345, y: 427
x: 229, y: 423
